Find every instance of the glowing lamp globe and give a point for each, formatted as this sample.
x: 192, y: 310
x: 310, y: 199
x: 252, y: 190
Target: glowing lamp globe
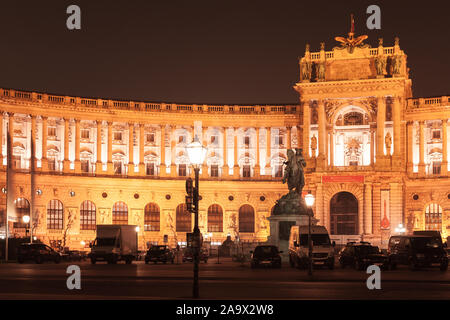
x: 26, y: 219
x: 309, y: 199
x: 196, y: 152
x: 137, y: 229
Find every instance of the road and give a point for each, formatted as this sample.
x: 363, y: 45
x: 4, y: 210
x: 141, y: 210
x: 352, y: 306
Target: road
x: 228, y: 280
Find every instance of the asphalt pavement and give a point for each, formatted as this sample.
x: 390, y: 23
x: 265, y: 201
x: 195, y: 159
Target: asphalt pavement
x: 227, y: 280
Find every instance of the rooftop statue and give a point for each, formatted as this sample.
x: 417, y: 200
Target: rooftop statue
x: 351, y: 42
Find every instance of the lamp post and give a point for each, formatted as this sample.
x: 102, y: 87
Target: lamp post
x: 309, y: 199
x: 196, y: 153
x: 26, y: 220
x: 400, y: 229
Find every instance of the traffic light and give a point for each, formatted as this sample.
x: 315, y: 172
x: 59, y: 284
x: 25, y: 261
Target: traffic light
x: 190, y: 194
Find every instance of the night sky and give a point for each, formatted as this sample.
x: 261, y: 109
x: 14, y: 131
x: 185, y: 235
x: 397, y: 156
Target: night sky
x: 217, y: 52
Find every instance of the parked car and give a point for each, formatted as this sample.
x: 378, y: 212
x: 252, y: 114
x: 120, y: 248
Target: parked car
x: 417, y: 251
x: 361, y: 255
x: 323, y: 248
x: 141, y: 255
x: 188, y: 255
x: 37, y: 252
x: 159, y: 254
x: 265, y: 255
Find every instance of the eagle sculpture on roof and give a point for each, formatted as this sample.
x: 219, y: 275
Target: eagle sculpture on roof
x: 351, y: 42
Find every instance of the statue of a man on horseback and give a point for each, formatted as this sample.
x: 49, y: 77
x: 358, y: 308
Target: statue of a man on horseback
x: 293, y: 172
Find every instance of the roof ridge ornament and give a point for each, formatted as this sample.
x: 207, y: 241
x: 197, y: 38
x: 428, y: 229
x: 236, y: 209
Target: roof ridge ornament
x: 350, y: 43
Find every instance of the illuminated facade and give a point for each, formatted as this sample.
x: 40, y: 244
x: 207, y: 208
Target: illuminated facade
x: 376, y: 157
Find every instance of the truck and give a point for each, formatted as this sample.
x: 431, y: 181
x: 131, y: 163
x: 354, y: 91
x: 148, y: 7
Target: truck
x: 323, y: 248
x: 115, y: 243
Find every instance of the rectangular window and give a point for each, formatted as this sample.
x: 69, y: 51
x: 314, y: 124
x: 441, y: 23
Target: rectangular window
x: 214, y: 170
x: 247, y: 141
x: 436, y: 134
x: 278, y: 171
x: 246, y: 171
x: 118, y: 136
x: 51, y: 131
x: 150, y: 168
x: 117, y: 167
x: 84, y: 165
x: 16, y: 162
x: 214, y: 139
x: 150, y: 137
x: 51, y: 164
x: 353, y: 163
x: 85, y: 134
x: 280, y: 140
x: 436, y: 167
x: 182, y: 170
x: 181, y: 139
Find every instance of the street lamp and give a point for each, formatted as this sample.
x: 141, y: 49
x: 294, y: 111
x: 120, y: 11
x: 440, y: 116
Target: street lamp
x: 309, y: 199
x: 196, y: 153
x: 26, y: 220
x: 400, y: 228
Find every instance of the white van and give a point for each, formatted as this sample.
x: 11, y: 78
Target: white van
x: 323, y: 248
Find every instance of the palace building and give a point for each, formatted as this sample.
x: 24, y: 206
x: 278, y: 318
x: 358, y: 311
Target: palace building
x: 376, y: 157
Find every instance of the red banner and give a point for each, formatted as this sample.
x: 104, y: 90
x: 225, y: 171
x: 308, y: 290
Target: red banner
x: 354, y: 179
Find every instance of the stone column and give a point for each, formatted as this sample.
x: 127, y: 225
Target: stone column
x: 32, y: 139
x: 288, y: 137
x: 130, y: 149
x: 421, y: 149
x: 444, y: 165
x: 226, y: 168
x: 410, y: 164
x: 319, y: 205
x: 368, y: 208
x: 44, y: 161
x: 299, y: 138
x: 306, y: 125
x: 381, y: 117
x: 110, y: 167
x: 99, y: 164
x: 162, y: 167
x: 268, y: 150
x: 235, y: 166
x: 173, y: 166
x: 77, y: 146
x: 396, y: 112
x: 331, y: 147
x: 141, y: 149
x: 204, y: 171
x: 372, y: 144
x: 66, y: 163
x: 257, y: 166
x: 322, y: 130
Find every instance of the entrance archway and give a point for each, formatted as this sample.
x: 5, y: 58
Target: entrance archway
x: 344, y: 214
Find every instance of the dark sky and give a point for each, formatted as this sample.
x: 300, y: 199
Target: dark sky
x: 227, y: 52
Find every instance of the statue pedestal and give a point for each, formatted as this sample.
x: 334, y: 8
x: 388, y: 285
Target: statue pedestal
x: 280, y: 228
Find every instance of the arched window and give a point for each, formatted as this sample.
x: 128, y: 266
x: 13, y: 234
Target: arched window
x: 120, y: 213
x: 87, y: 215
x: 151, y: 217
x: 344, y: 214
x: 215, y: 218
x: 246, y: 218
x: 55, y: 215
x: 22, y: 209
x: 433, y: 217
x: 183, y: 222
